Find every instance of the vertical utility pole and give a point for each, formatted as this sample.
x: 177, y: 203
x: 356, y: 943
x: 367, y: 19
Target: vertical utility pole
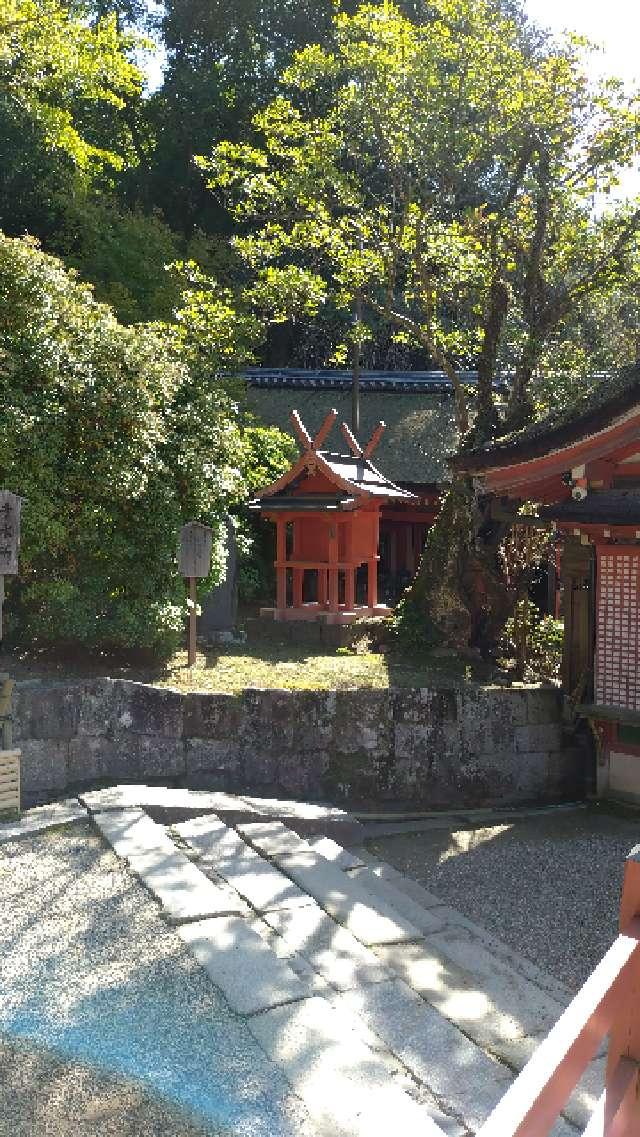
x: 355, y: 366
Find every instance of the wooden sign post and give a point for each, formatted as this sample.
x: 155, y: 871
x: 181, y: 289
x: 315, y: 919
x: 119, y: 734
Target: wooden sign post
x: 10, y: 506
x: 196, y: 541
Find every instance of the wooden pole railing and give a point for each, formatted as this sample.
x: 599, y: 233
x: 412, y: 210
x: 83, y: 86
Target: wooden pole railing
x: 608, y: 1004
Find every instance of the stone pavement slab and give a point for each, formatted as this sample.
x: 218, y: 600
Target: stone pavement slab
x: 584, y: 1098
x: 214, y: 839
x: 272, y: 838
x: 43, y: 817
x: 456, y: 1070
x: 305, y: 811
x: 261, y: 884
x: 368, y: 918
x: 404, y: 883
x: 492, y: 1007
x: 241, y: 964
x: 330, y: 949
x: 183, y: 891
x: 164, y: 798
x: 332, y: 851
x: 523, y: 1007
x: 312, y: 981
x: 426, y: 920
x: 343, y: 1084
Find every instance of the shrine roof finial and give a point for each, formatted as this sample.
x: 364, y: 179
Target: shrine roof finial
x: 309, y: 443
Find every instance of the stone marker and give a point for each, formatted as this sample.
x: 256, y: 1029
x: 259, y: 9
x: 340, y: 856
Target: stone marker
x: 220, y: 606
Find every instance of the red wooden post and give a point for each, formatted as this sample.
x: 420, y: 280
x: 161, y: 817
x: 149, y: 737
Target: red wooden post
x: 350, y: 589
x: 333, y: 568
x: 322, y: 587
x: 298, y: 578
x: 625, y: 1036
x: 372, y: 583
x: 281, y: 556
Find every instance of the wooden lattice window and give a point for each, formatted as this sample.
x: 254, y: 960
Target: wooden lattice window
x: 617, y: 630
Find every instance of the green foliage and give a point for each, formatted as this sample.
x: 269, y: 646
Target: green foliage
x: 442, y: 172
x: 267, y: 453
x: 126, y: 254
x: 114, y: 444
x: 58, y: 67
x: 543, y: 638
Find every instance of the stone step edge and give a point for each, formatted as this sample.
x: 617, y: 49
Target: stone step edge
x: 428, y: 900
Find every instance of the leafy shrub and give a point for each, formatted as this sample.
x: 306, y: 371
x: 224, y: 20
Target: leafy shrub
x: 115, y: 436
x: 543, y: 646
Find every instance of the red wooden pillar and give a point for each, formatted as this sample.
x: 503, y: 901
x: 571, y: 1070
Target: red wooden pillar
x: 333, y: 568
x: 281, y: 556
x: 322, y: 587
x: 372, y: 583
x: 350, y: 589
x: 624, y: 1043
x: 298, y: 577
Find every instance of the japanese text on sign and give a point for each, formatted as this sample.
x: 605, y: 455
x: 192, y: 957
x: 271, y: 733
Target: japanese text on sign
x: 10, y: 505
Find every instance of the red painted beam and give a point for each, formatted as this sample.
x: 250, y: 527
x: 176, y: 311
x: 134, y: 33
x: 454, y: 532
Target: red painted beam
x: 540, y: 1093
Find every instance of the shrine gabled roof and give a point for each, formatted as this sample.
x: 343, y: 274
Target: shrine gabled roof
x: 353, y: 475
x: 614, y: 396
x: 600, y: 507
x: 363, y: 475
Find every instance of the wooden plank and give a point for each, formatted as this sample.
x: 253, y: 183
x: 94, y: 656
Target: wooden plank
x: 614, y: 1112
x: 538, y: 1095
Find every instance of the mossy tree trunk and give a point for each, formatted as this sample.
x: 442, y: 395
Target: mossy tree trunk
x: 460, y: 598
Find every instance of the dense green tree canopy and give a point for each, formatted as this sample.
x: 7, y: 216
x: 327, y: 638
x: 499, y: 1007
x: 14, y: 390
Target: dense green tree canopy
x: 444, y: 173
x: 115, y: 440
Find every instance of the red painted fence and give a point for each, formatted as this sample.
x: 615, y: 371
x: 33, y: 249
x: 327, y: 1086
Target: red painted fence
x: 607, y: 1005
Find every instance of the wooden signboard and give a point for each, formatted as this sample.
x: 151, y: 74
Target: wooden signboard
x: 196, y: 542
x: 10, y: 505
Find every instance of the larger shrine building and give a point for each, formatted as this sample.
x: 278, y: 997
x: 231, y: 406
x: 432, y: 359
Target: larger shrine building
x: 420, y: 434
x: 583, y: 468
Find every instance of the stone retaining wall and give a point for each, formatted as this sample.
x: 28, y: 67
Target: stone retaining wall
x: 432, y: 748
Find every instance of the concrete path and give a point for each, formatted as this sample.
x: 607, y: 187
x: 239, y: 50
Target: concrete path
x: 379, y: 954
x: 345, y: 972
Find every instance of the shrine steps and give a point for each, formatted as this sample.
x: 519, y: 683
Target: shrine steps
x: 351, y: 976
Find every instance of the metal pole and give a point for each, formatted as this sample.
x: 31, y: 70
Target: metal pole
x: 355, y: 367
x: 193, y: 597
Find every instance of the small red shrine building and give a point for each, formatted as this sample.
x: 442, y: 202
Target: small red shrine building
x: 327, y: 510
x: 583, y: 468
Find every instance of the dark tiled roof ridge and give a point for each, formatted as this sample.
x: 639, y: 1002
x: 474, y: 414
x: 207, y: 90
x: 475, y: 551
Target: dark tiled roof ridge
x: 433, y: 380
x: 618, y: 505
x: 591, y: 413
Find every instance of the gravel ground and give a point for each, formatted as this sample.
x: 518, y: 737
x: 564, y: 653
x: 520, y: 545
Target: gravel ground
x: 548, y: 885
x: 94, y: 983
x: 43, y: 1096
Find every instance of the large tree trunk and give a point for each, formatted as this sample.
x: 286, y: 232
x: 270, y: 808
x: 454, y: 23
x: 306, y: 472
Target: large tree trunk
x: 459, y: 598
